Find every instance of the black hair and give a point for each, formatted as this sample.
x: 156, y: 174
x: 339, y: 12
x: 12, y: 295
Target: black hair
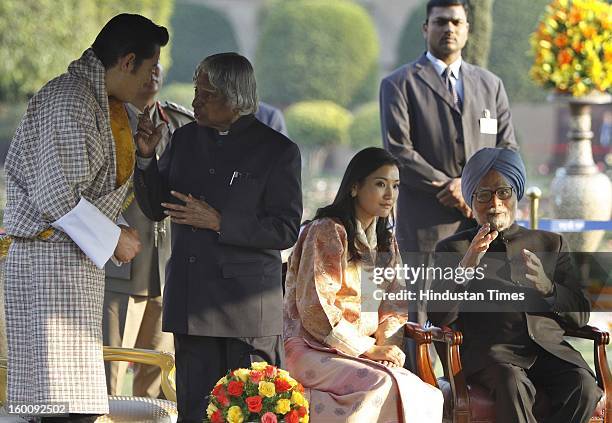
x: 446, y: 3
x: 363, y: 164
x: 127, y: 33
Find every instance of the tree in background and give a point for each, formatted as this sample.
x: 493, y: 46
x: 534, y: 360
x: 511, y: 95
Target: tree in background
x: 365, y: 129
x: 316, y: 49
x: 315, y: 126
x: 41, y: 37
x: 510, y: 56
x: 196, y: 31
x: 476, y: 50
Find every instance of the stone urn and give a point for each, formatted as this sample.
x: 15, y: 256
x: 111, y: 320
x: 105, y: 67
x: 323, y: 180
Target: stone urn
x: 579, y: 189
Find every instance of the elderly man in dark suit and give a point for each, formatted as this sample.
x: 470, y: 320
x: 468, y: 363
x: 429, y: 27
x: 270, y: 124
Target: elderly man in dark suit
x: 435, y: 113
x: 231, y: 186
x: 132, y: 291
x: 514, y: 345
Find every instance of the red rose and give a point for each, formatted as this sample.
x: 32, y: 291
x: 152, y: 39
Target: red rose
x: 256, y: 376
x: 281, y: 385
x: 235, y: 389
x: 270, y: 371
x: 216, y: 417
x: 300, y: 388
x: 217, y: 389
x: 269, y: 418
x: 292, y: 417
x: 222, y: 400
x: 254, y: 404
x: 302, y: 411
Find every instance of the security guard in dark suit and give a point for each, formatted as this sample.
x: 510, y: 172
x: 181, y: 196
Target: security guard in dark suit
x: 133, y: 291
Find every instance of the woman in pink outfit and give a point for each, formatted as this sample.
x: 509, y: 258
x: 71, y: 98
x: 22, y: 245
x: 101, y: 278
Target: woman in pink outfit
x: 342, y: 331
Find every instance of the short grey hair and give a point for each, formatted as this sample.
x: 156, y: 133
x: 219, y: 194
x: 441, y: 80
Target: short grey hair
x: 233, y: 75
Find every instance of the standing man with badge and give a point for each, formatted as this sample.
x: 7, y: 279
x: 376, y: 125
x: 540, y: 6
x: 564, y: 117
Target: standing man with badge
x: 435, y: 113
x: 133, y: 291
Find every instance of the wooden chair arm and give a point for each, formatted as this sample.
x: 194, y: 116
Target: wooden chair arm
x: 452, y: 339
x: 600, y: 339
x: 163, y: 360
x: 423, y: 338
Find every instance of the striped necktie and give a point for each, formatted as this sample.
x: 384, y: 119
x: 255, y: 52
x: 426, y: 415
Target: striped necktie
x: 451, y: 87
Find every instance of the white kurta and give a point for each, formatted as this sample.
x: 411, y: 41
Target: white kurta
x: 62, y: 151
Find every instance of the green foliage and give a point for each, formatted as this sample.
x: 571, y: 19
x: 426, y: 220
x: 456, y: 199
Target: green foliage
x: 316, y: 49
x: 476, y: 50
x: 411, y: 42
x: 178, y: 92
x: 41, y: 37
x: 197, y: 31
x: 511, y: 58
x: 365, y: 129
x: 316, y: 124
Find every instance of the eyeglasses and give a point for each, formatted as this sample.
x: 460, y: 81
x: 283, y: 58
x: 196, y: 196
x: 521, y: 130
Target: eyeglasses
x: 485, y: 195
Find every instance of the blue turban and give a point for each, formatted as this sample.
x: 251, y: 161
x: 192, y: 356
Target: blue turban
x: 507, y: 162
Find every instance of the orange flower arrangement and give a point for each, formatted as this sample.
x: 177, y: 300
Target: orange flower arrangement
x: 573, y: 47
x: 262, y: 393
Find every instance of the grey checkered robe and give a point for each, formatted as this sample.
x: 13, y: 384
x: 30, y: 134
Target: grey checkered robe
x: 63, y: 150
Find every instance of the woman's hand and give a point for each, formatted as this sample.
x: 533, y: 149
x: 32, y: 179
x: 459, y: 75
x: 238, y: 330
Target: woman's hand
x: 386, y: 354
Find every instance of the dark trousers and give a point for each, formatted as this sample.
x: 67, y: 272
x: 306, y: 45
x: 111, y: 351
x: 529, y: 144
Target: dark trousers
x: 572, y: 390
x: 202, y: 360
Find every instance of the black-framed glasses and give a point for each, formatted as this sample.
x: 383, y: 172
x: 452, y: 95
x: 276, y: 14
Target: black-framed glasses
x: 485, y: 195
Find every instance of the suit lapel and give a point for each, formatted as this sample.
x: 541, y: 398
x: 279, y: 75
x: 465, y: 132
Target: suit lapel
x: 427, y: 72
x: 469, y: 87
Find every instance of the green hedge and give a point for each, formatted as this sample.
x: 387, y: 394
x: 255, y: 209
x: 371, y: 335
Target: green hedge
x: 316, y: 49
x: 510, y: 56
x: 197, y: 31
x: 315, y: 124
x: 41, y: 37
x: 365, y: 129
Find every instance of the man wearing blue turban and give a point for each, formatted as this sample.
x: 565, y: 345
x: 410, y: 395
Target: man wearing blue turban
x: 513, y: 345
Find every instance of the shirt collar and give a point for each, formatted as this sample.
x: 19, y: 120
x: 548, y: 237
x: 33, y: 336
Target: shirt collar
x: 441, y: 66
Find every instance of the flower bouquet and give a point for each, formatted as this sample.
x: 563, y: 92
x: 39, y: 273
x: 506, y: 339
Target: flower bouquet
x: 573, y: 47
x: 262, y: 393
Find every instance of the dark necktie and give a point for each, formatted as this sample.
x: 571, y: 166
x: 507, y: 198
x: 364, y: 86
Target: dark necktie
x: 449, y: 84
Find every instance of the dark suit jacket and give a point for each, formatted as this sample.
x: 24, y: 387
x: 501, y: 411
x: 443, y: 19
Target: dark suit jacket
x: 421, y: 126
x: 227, y: 284
x: 145, y: 274
x: 507, y: 335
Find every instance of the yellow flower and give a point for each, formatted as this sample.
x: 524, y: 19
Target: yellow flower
x: 210, y: 410
x: 221, y: 381
x: 266, y: 389
x: 283, y: 406
x: 298, y: 399
x: 284, y: 374
x: 242, y: 374
x: 234, y: 415
x: 259, y: 365
x: 304, y: 419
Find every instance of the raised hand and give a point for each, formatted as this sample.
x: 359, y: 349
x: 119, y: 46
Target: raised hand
x: 479, y: 245
x: 196, y: 213
x: 147, y: 135
x: 535, y: 273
